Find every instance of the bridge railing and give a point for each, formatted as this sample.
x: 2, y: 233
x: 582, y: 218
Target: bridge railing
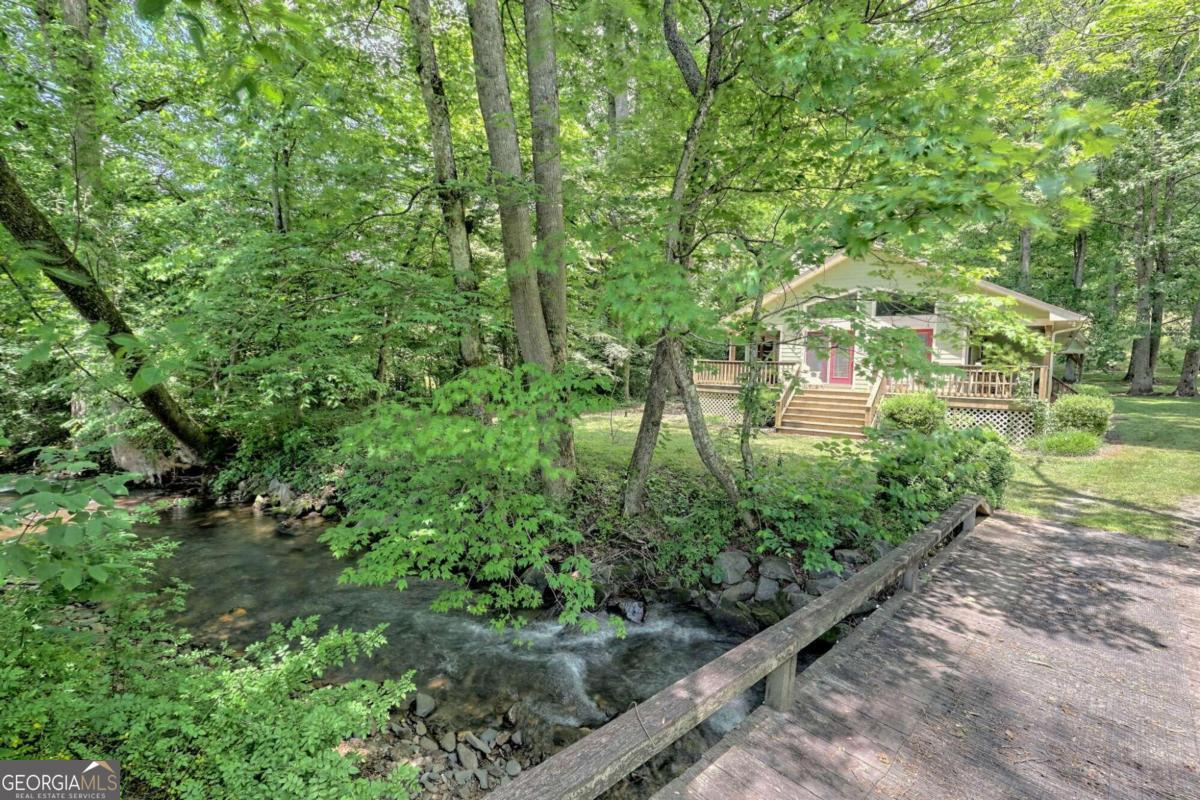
x: 590, y: 766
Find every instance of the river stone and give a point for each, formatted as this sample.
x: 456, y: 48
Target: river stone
x: 797, y: 597
x: 428, y: 744
x: 420, y: 728
x: 732, y: 566
x: 447, y: 741
x: 777, y: 569
x: 478, y: 743
x: 467, y: 757
x: 425, y: 705
x: 512, y: 768
x: 851, y: 557
x: 881, y: 549
x: 765, y: 590
x: 461, y: 776
x: 823, y: 582
x: 517, y: 739
x: 490, y: 736
x: 632, y: 610
x: 734, y: 594
x: 482, y: 776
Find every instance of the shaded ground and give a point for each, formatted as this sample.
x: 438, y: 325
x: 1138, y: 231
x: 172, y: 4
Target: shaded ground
x: 1040, y: 661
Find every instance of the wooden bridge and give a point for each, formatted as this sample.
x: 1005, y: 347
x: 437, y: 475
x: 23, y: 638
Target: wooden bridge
x: 1030, y: 660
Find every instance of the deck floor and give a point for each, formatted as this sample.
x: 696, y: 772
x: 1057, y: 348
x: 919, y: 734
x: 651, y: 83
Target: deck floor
x: 1038, y: 661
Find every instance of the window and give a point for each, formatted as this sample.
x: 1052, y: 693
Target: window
x: 899, y: 305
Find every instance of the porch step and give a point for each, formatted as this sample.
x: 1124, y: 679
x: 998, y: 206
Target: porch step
x: 814, y: 430
x: 826, y: 405
x: 802, y: 421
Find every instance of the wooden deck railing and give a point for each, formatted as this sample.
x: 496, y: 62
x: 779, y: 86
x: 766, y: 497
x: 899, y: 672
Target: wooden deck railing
x: 593, y: 764
x: 878, y: 390
x: 978, y: 383
x: 733, y: 373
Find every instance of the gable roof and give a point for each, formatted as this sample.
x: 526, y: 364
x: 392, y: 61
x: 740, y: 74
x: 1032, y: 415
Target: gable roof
x: 810, y: 275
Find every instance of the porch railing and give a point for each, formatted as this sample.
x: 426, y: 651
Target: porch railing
x: 734, y: 373
x: 980, y: 383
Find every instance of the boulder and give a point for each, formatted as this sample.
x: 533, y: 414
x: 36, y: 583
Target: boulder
x: 777, y: 569
x: 822, y: 583
x: 737, y: 593
x: 286, y: 528
x: 881, y: 548
x: 425, y: 705
x: 797, y: 597
x: 448, y: 742
x: 765, y: 590
x: 731, y: 566
x: 736, y: 618
x: 850, y: 557
x: 467, y: 757
x: 632, y: 610
x: 535, y: 578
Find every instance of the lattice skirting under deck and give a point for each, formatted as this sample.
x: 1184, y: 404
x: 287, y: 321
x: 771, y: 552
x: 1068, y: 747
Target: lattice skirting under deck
x: 723, y: 405
x: 1016, y: 426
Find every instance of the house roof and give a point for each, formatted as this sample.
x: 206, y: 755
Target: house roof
x: 810, y: 274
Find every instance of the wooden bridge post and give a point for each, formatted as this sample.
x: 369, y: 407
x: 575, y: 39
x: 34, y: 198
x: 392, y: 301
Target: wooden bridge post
x: 911, y: 574
x: 969, y: 521
x: 781, y: 686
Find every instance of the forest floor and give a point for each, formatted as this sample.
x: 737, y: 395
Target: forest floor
x: 1145, y: 480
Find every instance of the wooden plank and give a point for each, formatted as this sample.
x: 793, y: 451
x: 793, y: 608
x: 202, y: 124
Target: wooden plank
x: 738, y: 775
x: 594, y: 763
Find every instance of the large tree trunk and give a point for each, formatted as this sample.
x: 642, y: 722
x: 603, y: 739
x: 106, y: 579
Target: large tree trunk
x: 1162, y: 271
x: 1191, y: 358
x: 633, y: 499
x: 495, y: 102
x: 678, y: 244
x: 542, y: 67
x: 446, y: 174
x: 32, y: 230
x: 1080, y: 253
x: 1141, y: 376
x: 78, y: 68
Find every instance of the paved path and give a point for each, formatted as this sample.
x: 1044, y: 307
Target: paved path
x: 1039, y: 661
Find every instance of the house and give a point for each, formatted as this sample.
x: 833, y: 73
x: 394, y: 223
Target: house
x: 826, y: 388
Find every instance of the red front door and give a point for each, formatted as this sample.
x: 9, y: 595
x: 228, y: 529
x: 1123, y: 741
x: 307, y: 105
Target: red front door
x: 926, y: 335
x: 841, y: 364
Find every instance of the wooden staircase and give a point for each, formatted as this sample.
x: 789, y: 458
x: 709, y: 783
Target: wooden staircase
x: 825, y: 410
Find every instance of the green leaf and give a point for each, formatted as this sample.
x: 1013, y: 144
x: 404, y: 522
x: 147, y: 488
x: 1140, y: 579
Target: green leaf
x: 71, y: 578
x: 146, y: 378
x: 151, y: 10
x: 99, y: 574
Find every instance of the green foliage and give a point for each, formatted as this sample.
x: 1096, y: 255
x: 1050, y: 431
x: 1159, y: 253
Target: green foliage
x: 1081, y: 413
x: 919, y: 475
x: 806, y: 511
x: 185, y: 722
x: 1091, y: 390
x: 919, y: 411
x: 1065, y: 443
x: 439, y: 493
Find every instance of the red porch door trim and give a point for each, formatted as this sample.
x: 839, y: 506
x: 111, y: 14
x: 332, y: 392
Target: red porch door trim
x: 841, y: 365
x: 926, y: 335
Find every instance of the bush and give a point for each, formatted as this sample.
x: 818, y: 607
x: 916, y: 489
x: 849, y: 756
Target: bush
x: 185, y: 722
x: 919, y: 411
x: 1089, y: 390
x: 920, y: 475
x: 1065, y: 443
x: 807, y: 510
x: 1081, y: 413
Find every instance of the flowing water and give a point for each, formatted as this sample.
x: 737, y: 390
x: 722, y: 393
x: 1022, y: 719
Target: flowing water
x: 244, y: 577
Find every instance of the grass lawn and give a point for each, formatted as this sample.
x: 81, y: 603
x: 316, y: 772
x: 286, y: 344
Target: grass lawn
x: 1144, y: 481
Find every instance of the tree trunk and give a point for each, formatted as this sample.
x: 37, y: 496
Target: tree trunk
x: 32, y: 230
x: 634, y: 497
x: 495, y: 102
x: 1080, y: 252
x: 1026, y: 245
x: 79, y: 73
x: 1191, y: 358
x: 446, y: 174
x: 1162, y: 271
x: 1142, y: 378
x: 542, y: 67
x: 748, y: 390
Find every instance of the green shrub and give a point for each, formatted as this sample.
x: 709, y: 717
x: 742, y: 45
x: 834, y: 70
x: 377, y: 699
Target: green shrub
x: 439, y: 494
x: 1081, y: 413
x: 1090, y: 390
x: 919, y: 475
x: 919, y: 411
x: 807, y: 510
x: 1065, y: 443
x: 186, y: 723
